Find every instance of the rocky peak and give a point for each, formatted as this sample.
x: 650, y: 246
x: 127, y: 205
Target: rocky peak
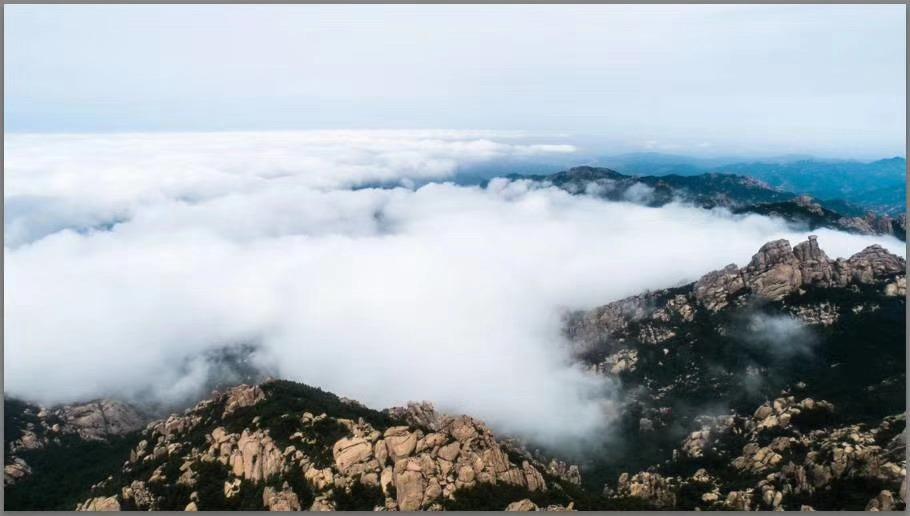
x: 93, y: 421
x: 417, y: 414
x: 406, y: 458
x: 776, y: 271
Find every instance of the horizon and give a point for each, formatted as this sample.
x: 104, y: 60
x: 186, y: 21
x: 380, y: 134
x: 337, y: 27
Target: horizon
x: 827, y: 81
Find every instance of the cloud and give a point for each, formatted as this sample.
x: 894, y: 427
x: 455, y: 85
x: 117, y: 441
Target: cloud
x: 79, y: 181
x: 780, y: 336
x: 446, y: 293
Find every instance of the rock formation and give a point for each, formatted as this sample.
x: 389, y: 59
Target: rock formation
x: 422, y: 462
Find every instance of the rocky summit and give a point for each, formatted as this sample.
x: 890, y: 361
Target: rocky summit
x: 777, y: 384
x: 286, y: 446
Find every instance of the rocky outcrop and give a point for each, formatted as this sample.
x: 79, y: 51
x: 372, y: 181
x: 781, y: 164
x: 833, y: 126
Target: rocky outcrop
x: 777, y: 271
x: 92, y: 421
x: 37, y: 427
x: 774, y: 272
x: 422, y: 462
x: 283, y: 500
x: 525, y: 505
x: 100, y: 504
x: 789, y: 453
x: 656, y: 490
x: 242, y: 396
x: 15, y: 471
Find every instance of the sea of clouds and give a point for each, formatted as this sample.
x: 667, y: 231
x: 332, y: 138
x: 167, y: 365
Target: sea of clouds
x: 126, y: 256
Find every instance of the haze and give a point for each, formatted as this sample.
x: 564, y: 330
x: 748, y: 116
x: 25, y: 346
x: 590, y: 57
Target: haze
x: 698, y: 79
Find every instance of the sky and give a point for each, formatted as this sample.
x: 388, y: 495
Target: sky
x: 750, y: 80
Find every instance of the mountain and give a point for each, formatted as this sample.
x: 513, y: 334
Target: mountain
x: 777, y: 384
x: 741, y: 194
x: 774, y: 385
x: 286, y: 446
x: 879, y: 186
x: 53, y: 454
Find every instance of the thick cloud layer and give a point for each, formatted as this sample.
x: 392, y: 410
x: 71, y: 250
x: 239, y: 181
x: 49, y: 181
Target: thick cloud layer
x: 445, y: 293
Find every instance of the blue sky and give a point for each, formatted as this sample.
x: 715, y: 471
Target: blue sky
x: 828, y: 80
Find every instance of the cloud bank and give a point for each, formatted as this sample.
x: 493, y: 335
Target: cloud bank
x: 128, y: 256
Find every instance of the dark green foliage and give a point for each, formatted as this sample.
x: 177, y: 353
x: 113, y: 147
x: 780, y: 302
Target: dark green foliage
x: 490, y: 497
x: 325, y: 432
x: 495, y: 497
x: 847, y: 494
x: 16, y: 415
x: 53, y: 484
x: 301, y: 488
x: 860, y: 371
x: 210, y: 479
x: 286, y: 402
x: 359, y: 497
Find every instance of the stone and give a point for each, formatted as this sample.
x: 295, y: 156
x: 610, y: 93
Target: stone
x: 400, y: 442
x: 100, y: 504
x: 242, y: 396
x: 15, y: 471
x: 231, y: 488
x: 524, y: 505
x: 410, y: 489
x: 450, y: 451
x: 284, y: 500
x: 348, y: 452
x: 883, y: 502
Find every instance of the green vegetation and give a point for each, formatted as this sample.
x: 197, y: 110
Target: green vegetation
x: 53, y: 486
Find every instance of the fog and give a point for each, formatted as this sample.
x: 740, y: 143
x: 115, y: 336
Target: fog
x: 127, y: 256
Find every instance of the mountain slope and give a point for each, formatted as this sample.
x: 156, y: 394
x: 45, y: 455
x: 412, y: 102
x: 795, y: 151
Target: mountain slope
x: 741, y: 194
x: 878, y: 186
x: 791, y: 329
x: 287, y: 446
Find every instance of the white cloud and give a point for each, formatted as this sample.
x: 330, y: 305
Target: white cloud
x: 89, y: 179
x: 446, y: 293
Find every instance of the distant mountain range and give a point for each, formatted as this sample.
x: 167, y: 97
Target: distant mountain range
x: 853, y: 186
x: 877, y: 185
x: 740, y: 194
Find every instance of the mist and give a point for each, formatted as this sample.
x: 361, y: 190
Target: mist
x: 126, y: 257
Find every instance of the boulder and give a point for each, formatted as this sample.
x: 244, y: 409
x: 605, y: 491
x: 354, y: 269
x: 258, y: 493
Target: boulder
x: 524, y: 505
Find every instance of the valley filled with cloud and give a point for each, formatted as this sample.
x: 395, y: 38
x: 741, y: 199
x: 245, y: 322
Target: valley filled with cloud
x: 129, y: 256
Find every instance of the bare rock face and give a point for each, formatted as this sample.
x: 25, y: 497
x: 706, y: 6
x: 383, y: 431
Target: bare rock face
x: 774, y: 271
x: 569, y: 472
x: 872, y: 263
x: 858, y: 225
x: 15, y: 471
x: 417, y: 414
x: 883, y: 502
x: 714, y: 289
x: 348, y: 452
x: 242, y: 396
x: 250, y: 455
x: 777, y: 271
x: 284, y: 500
x: 814, y: 264
x: 100, y: 504
x: 656, y: 490
x: 99, y: 419
x: 413, y: 466
x: 897, y: 288
x: 92, y: 421
x: 524, y: 505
